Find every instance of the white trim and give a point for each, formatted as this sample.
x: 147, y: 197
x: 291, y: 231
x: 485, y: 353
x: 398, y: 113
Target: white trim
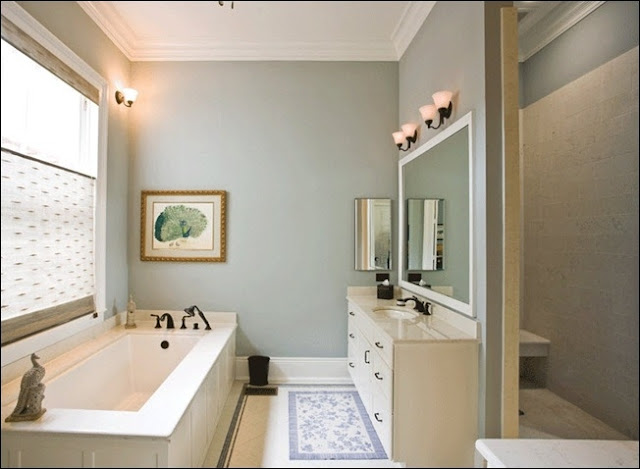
x: 410, y: 23
x: 112, y: 24
x: 551, y: 26
x: 28, y: 345
x: 44, y: 37
x: 139, y: 50
x: 316, y: 51
x: 452, y: 303
x: 294, y: 370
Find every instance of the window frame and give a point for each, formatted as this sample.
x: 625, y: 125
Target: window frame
x: 46, y: 39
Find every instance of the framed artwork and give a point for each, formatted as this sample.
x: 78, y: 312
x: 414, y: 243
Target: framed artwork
x: 183, y: 226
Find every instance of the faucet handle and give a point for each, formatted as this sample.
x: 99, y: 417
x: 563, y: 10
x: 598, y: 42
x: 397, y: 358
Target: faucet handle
x: 157, y: 316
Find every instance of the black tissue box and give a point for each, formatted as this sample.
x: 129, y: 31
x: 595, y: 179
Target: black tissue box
x: 385, y: 292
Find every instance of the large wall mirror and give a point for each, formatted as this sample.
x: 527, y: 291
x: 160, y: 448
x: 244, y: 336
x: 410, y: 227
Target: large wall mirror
x: 435, y: 218
x: 373, y: 234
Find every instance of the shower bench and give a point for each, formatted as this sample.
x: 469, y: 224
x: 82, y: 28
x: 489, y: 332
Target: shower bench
x: 532, y: 345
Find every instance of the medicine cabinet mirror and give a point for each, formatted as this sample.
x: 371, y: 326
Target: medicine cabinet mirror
x: 373, y: 234
x: 435, y: 218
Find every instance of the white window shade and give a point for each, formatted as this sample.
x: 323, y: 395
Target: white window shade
x: 47, y: 245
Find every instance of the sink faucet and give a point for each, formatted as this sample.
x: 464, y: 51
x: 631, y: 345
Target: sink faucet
x: 190, y: 311
x: 420, y: 306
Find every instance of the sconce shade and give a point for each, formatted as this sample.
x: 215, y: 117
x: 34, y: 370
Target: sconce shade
x: 127, y: 96
x: 442, y: 107
x: 410, y: 129
x: 428, y: 112
x: 409, y: 133
x: 442, y: 99
x: 398, y: 137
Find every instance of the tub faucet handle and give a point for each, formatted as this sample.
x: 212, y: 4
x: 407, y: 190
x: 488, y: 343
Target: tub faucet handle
x: 157, y: 316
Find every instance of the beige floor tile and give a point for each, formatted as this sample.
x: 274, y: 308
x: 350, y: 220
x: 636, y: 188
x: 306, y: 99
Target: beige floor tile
x: 547, y: 415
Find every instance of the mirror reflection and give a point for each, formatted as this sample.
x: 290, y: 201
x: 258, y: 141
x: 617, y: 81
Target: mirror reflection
x: 436, y: 242
x: 373, y: 234
x: 425, y: 234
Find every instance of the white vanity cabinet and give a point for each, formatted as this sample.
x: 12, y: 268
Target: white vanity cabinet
x: 419, y: 387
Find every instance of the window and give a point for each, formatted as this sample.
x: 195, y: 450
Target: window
x: 50, y: 189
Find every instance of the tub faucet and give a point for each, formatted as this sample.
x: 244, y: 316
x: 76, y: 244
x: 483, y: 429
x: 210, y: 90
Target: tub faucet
x: 191, y: 312
x: 166, y: 316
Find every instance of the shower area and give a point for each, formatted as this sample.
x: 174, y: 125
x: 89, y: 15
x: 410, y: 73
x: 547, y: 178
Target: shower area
x: 579, y: 163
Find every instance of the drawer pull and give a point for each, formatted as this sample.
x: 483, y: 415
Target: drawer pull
x: 351, y: 313
x: 366, y: 356
x: 377, y: 375
x: 377, y: 417
x: 379, y: 345
x: 351, y: 365
x: 352, y: 336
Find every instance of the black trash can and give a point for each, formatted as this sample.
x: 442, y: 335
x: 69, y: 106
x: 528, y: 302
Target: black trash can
x: 258, y: 370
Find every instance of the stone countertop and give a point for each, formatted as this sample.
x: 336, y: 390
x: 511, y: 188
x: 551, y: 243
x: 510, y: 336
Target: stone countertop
x: 558, y: 453
x: 433, y: 328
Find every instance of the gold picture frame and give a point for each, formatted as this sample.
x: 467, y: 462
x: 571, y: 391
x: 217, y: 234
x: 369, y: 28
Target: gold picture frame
x: 183, y: 226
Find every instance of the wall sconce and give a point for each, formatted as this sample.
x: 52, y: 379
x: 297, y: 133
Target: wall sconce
x: 127, y: 96
x: 409, y: 133
x: 442, y: 106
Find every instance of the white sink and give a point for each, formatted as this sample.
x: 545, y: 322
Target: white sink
x: 397, y: 313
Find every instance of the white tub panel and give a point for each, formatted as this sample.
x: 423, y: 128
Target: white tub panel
x: 198, y: 411
x: 213, y: 407
x: 180, y: 447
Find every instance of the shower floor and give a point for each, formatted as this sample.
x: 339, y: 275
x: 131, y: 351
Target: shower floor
x: 547, y: 415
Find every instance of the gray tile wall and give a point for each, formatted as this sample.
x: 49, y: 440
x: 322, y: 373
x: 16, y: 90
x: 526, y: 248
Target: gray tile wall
x: 580, y: 183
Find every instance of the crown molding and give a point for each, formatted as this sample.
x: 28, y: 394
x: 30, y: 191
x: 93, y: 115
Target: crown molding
x: 140, y: 50
x: 112, y: 24
x: 310, y: 51
x: 410, y: 23
x: 551, y: 25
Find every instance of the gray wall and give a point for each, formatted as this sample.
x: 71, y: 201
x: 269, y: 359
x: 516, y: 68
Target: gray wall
x: 88, y: 41
x: 458, y: 49
x: 580, y: 166
x: 603, y: 35
x: 293, y: 144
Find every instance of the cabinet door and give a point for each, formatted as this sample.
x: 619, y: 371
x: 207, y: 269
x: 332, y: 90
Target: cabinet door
x: 382, y: 419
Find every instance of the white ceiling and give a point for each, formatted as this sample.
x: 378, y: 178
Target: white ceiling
x: 297, y: 30
x: 206, y: 30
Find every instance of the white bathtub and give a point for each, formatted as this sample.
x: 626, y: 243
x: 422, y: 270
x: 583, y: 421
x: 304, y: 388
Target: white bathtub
x: 124, y: 400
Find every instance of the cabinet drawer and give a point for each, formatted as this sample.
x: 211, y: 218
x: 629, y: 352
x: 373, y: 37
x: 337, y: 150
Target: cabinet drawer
x: 383, y: 345
x: 359, y: 320
x: 382, y: 376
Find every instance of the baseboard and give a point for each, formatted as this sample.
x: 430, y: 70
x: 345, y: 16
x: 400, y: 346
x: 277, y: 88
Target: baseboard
x: 294, y: 370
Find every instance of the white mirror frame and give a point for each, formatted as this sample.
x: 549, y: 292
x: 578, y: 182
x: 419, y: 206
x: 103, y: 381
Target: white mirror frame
x: 447, y: 301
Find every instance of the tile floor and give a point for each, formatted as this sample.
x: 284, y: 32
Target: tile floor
x: 265, y: 443
x: 548, y: 416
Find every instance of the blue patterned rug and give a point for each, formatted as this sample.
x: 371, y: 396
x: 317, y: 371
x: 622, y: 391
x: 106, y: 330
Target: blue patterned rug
x: 331, y: 425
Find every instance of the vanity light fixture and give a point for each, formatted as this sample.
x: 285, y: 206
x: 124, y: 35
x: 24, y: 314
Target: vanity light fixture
x: 126, y: 96
x: 409, y: 133
x: 442, y: 106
